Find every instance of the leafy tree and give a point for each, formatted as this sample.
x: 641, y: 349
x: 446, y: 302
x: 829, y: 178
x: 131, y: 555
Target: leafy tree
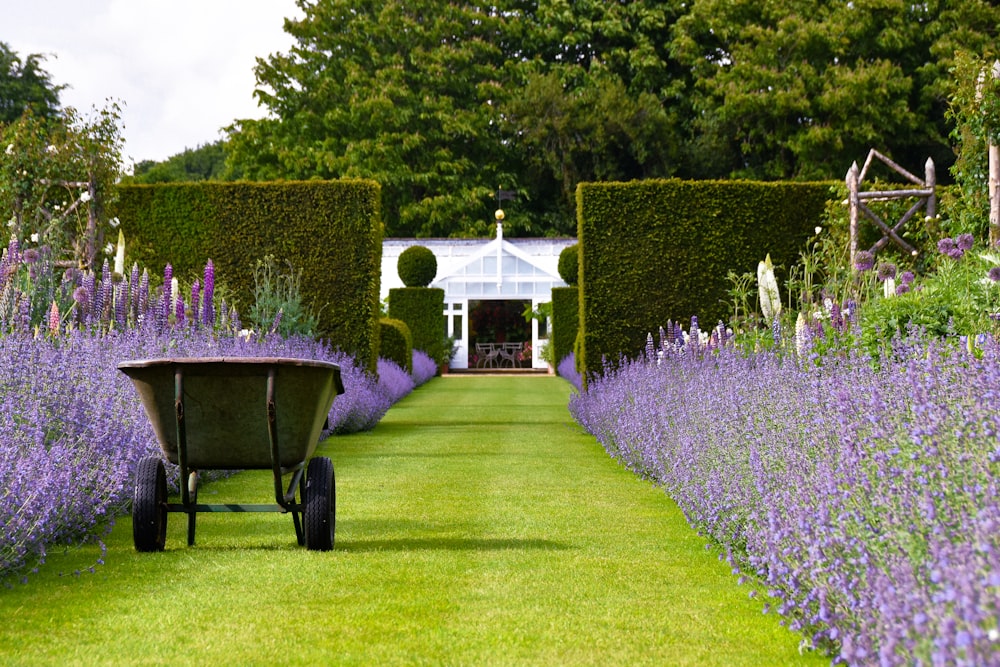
x: 25, y: 85
x: 800, y: 89
x: 57, y: 176
x: 402, y: 92
x: 207, y: 162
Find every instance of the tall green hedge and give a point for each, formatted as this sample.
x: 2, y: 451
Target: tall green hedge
x: 422, y: 308
x: 660, y: 250
x: 329, y: 230
x: 565, y: 321
x: 396, y: 343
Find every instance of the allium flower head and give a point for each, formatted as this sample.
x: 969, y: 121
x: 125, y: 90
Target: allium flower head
x: 906, y: 278
x: 864, y: 261
x: 994, y: 274
x: 80, y: 295
x: 965, y: 242
x: 886, y: 270
x: 30, y: 256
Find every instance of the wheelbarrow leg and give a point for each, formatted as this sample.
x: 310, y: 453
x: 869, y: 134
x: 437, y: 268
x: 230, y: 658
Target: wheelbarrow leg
x: 300, y: 535
x: 193, y: 500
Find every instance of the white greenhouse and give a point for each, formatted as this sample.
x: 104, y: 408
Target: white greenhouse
x: 488, y: 284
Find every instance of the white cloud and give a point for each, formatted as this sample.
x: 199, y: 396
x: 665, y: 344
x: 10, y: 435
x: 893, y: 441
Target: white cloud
x: 183, y: 68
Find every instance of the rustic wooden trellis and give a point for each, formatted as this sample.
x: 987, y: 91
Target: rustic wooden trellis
x: 85, y: 249
x: 924, y: 192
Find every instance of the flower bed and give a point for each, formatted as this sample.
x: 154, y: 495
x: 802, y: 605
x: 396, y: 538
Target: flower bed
x: 72, y: 428
x: 861, y: 497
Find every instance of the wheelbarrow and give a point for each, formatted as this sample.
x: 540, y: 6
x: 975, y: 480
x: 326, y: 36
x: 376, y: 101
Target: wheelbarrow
x: 222, y: 413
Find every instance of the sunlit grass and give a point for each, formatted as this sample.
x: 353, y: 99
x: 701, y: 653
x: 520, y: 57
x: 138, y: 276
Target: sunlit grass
x: 475, y: 525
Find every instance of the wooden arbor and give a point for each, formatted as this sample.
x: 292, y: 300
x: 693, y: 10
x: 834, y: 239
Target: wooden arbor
x: 924, y: 192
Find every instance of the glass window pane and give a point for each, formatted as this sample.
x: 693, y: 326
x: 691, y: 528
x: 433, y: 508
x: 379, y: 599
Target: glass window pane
x: 457, y: 321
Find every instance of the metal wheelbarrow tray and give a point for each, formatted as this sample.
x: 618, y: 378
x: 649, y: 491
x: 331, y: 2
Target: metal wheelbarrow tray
x: 222, y: 413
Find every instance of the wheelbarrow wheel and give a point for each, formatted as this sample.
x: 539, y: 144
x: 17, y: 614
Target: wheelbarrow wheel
x: 321, y: 504
x: 149, y: 506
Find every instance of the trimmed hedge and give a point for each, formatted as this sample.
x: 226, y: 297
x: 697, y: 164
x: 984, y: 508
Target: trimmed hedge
x: 396, y: 343
x: 329, y: 230
x: 660, y: 250
x: 565, y: 321
x: 422, y: 308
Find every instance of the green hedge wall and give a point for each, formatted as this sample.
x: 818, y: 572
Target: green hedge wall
x: 396, y: 343
x: 422, y: 308
x: 329, y: 230
x: 660, y: 250
x: 565, y: 321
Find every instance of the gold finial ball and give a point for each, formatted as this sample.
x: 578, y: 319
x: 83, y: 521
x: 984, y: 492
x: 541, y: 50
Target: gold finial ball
x: 499, y: 214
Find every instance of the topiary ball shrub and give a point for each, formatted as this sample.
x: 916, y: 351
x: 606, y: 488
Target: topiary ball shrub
x: 569, y: 264
x: 417, y: 266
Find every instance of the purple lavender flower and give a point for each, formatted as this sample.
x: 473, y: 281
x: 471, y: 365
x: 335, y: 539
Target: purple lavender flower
x: 864, y: 261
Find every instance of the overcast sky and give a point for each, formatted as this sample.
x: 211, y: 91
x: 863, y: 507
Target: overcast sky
x: 182, y: 68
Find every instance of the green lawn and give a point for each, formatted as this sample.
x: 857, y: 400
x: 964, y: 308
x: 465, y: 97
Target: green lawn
x: 476, y: 525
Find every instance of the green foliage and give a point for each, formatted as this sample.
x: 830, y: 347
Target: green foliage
x: 25, y: 86
x: 974, y: 109
x: 417, y: 266
x: 57, y: 180
x: 204, y: 163
x: 799, y: 90
x: 330, y: 230
x: 410, y: 104
x: 443, y: 103
x: 678, y: 260
x: 565, y: 322
x: 277, y: 304
x: 569, y: 264
x: 422, y: 309
x: 885, y: 318
x: 396, y: 343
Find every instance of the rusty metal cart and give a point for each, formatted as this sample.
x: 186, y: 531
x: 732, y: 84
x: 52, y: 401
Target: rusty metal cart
x: 232, y: 413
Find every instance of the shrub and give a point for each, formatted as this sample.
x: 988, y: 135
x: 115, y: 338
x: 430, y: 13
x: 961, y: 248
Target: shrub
x: 417, y: 266
x: 569, y: 264
x: 396, y: 343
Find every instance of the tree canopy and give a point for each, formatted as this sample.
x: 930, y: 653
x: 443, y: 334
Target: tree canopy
x: 444, y: 102
x: 25, y: 85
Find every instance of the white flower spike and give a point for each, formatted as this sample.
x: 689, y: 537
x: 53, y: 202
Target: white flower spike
x: 770, y: 298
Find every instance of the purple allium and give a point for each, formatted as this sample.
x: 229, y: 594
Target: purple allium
x: 994, y: 274
x: 886, y: 270
x: 902, y: 288
x: 30, y: 256
x: 947, y: 246
x: 864, y: 261
x: 965, y: 242
x: 907, y: 277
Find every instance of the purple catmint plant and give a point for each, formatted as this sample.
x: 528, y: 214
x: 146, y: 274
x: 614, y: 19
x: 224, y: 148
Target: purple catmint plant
x: 862, y: 496
x: 72, y: 428
x: 424, y: 367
